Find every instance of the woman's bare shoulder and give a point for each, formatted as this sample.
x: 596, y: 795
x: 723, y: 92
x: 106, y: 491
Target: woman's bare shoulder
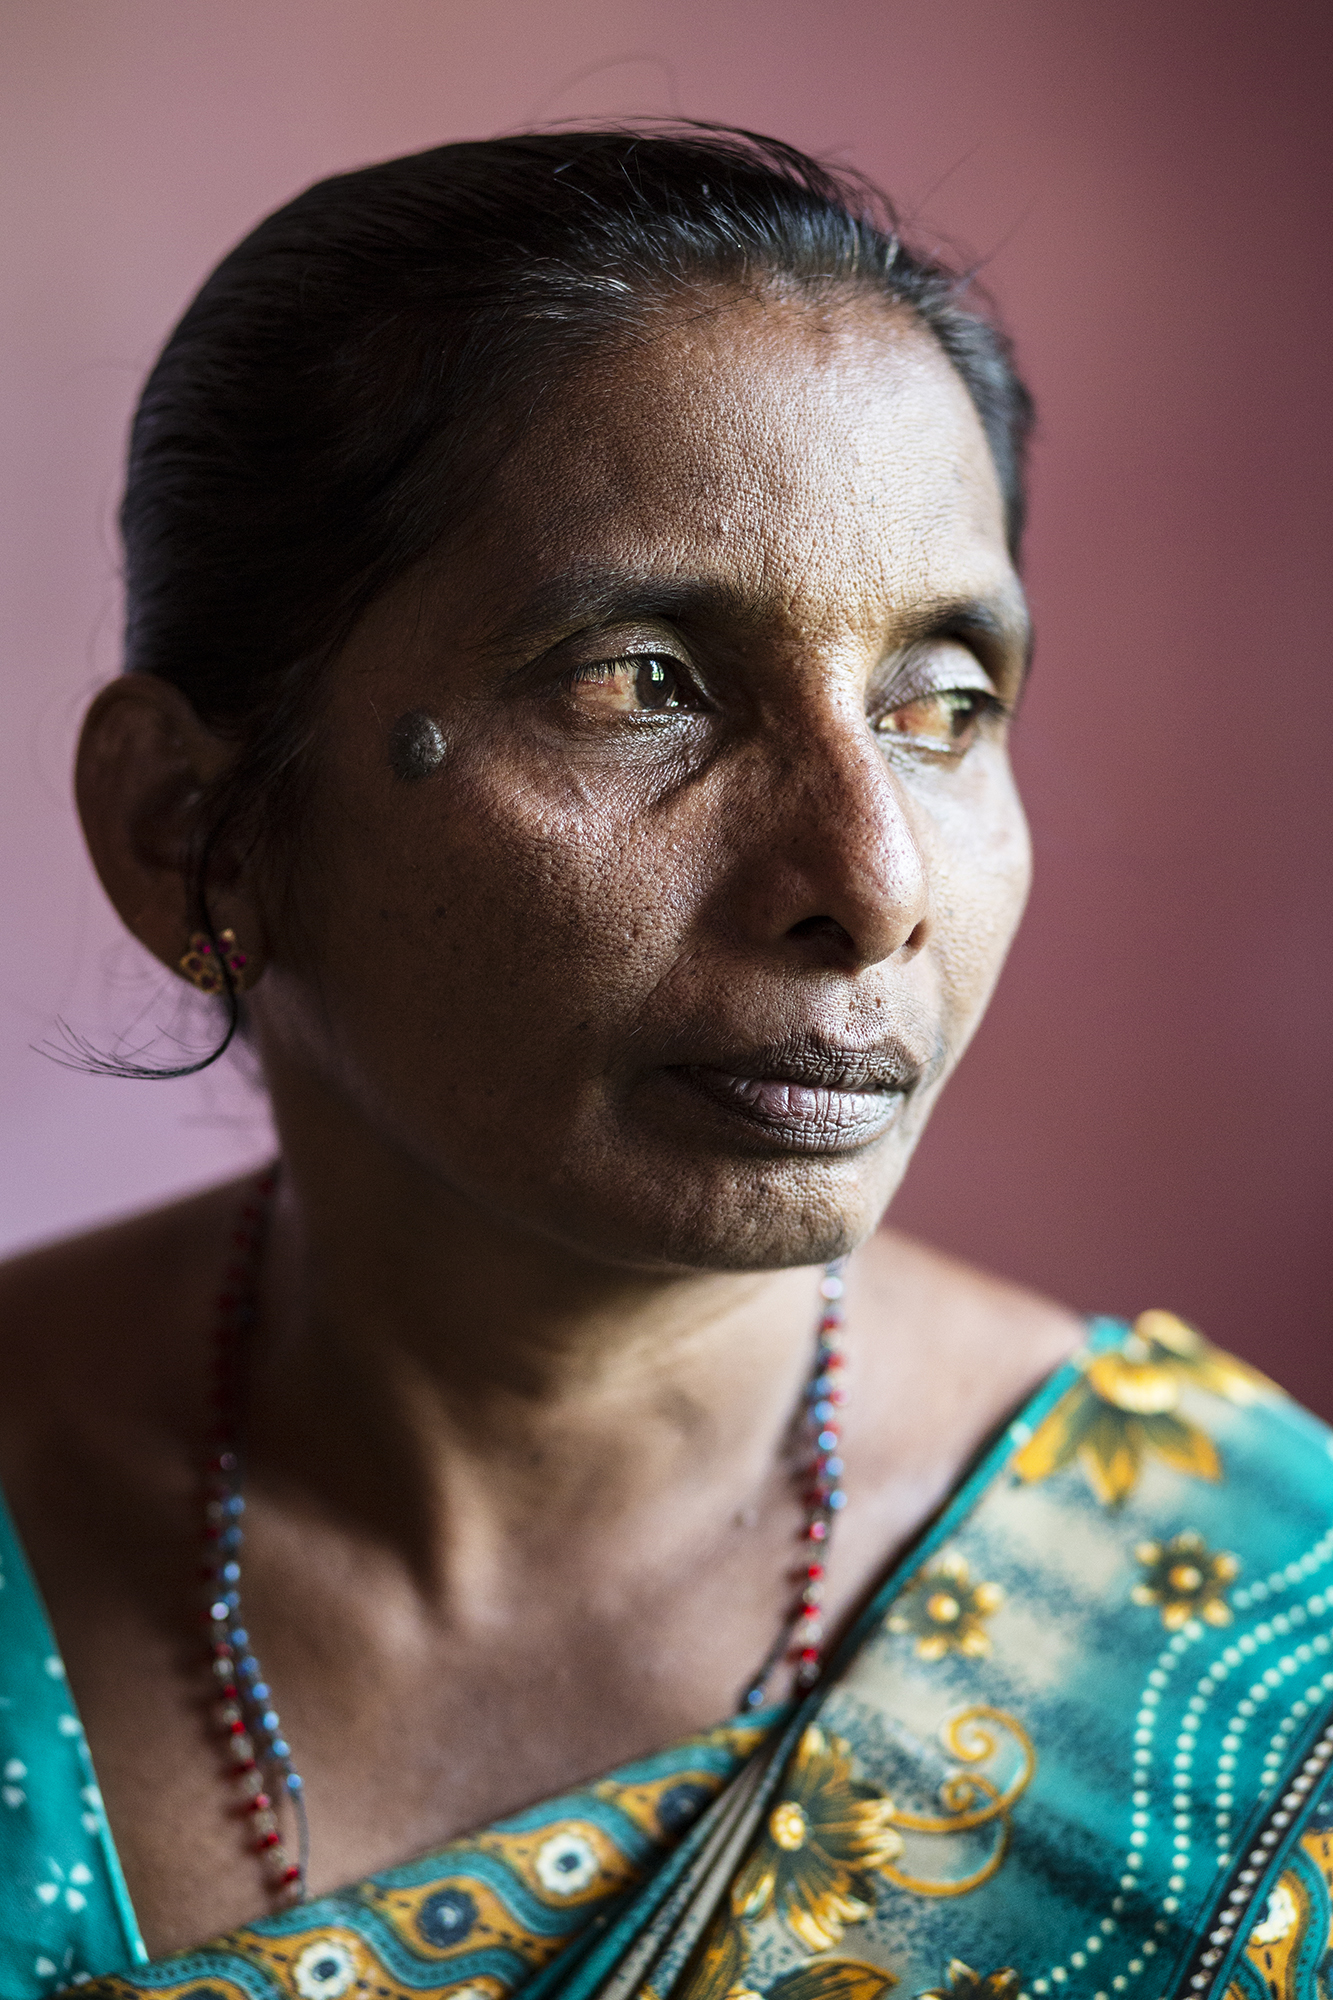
x: 973, y: 1346
x: 98, y: 1318
x: 961, y: 1303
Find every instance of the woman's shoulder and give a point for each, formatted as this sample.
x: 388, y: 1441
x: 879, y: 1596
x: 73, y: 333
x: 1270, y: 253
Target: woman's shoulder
x: 911, y: 1282
x: 945, y: 1352
x: 1154, y: 1400
x: 106, y: 1318
x: 146, y: 1248
x: 969, y: 1354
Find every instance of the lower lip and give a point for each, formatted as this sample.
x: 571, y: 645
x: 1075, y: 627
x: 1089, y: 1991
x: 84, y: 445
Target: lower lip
x: 811, y: 1117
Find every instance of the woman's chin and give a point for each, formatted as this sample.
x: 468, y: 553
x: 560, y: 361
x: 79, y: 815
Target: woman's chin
x: 669, y: 1208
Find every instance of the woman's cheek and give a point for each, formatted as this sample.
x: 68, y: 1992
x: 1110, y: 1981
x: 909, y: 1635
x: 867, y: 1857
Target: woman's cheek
x: 572, y: 901
x: 982, y: 871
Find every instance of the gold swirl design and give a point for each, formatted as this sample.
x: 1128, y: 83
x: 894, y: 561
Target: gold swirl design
x: 970, y: 1799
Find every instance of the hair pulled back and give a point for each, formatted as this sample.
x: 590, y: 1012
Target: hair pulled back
x: 329, y: 406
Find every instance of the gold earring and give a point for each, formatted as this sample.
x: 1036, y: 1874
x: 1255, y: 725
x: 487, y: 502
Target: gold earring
x: 202, y: 964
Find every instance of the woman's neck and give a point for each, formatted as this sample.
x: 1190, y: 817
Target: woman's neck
x: 452, y: 1386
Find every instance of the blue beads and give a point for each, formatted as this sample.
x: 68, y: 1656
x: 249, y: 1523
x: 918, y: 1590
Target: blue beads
x: 251, y: 1724
x: 833, y: 1467
x: 827, y: 1440
x: 825, y: 1411
x: 837, y: 1499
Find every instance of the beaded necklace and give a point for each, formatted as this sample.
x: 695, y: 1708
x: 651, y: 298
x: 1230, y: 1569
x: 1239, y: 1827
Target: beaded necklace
x: 259, y: 1758
x: 258, y: 1754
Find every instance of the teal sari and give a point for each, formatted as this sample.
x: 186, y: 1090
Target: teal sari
x: 1076, y: 1746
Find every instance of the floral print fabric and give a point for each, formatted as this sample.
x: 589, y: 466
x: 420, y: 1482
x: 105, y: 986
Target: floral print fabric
x: 1035, y: 1769
x: 63, y: 1906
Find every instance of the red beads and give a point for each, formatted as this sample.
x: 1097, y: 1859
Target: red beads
x: 821, y: 1496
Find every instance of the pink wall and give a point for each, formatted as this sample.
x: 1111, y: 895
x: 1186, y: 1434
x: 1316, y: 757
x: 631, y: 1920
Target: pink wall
x: 1145, y: 1117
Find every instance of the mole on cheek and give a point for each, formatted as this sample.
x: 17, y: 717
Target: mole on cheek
x: 417, y: 745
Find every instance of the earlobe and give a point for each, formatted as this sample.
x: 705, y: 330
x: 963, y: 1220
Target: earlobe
x: 207, y: 965
x: 144, y: 768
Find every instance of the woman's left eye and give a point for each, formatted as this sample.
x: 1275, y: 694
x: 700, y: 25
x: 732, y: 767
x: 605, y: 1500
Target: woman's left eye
x: 946, y: 719
x: 638, y: 684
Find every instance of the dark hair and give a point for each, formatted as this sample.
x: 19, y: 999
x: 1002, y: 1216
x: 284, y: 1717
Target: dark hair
x: 330, y: 404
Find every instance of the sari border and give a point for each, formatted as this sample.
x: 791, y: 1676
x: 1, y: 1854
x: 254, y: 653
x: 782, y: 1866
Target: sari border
x: 1206, y: 1969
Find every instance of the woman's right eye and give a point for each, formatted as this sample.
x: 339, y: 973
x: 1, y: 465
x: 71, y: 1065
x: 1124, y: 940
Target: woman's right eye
x: 636, y: 684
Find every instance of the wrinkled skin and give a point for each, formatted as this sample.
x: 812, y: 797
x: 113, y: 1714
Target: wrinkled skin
x: 505, y: 967
x: 586, y: 1048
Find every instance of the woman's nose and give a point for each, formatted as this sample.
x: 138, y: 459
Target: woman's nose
x: 837, y: 872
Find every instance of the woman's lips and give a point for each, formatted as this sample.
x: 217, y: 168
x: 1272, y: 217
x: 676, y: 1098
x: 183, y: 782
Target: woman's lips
x: 814, y: 1116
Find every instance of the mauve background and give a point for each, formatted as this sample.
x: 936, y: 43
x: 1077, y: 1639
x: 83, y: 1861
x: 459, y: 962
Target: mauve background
x: 1144, y: 1117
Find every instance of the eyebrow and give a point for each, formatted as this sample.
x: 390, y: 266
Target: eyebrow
x: 1003, y: 620
x: 589, y: 597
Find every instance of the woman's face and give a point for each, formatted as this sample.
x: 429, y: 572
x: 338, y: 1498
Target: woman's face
x: 669, y: 958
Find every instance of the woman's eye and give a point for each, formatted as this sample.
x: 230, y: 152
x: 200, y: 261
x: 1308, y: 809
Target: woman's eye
x: 946, y: 719
x: 639, y: 684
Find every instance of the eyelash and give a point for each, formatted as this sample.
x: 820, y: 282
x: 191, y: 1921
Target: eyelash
x: 595, y: 671
x: 985, y: 706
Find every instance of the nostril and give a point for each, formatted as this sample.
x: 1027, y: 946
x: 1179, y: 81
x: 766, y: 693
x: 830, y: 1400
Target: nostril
x: 825, y: 929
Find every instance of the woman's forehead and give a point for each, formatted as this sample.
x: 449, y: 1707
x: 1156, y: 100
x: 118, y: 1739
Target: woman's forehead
x: 784, y: 453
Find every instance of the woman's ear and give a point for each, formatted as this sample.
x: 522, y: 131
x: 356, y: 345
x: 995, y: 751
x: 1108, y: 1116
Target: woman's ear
x: 145, y: 763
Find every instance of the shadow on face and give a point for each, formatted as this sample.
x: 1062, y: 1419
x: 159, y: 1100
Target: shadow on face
x: 669, y: 958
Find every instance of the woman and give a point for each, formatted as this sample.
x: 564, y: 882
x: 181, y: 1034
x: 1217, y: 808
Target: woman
x: 573, y: 631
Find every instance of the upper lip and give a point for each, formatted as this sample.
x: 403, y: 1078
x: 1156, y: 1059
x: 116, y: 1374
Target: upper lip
x: 822, y: 1065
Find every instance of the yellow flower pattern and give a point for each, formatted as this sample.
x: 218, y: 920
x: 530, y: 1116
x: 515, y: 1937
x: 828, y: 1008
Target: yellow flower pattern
x: 1186, y: 1580
x: 945, y: 1611
x: 962, y: 1983
x: 717, y: 1973
x: 1126, y: 1409
x: 825, y: 1840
